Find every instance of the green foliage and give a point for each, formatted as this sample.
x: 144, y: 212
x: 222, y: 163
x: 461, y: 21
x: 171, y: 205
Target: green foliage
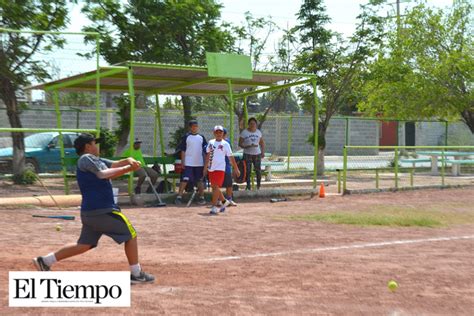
x: 338, y: 64
x: 20, y: 55
x: 25, y: 178
x: 167, y: 31
x: 427, y: 68
x: 109, y: 141
x: 176, y: 137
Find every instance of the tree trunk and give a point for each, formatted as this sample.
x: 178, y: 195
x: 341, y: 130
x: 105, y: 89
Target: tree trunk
x: 322, y: 148
x: 7, y: 93
x: 187, y: 109
x: 468, y: 117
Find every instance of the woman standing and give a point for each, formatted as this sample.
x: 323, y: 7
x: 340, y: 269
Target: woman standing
x: 251, y: 141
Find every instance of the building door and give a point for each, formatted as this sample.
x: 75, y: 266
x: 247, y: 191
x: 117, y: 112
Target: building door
x: 409, y: 134
x: 388, y: 133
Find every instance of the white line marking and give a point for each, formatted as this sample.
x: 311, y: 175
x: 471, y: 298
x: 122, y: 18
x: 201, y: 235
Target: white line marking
x: 323, y: 249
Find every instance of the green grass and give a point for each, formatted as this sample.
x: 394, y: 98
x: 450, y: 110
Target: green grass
x: 389, y: 216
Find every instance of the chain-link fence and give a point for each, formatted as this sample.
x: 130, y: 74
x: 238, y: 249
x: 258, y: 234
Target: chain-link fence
x: 289, y: 153
x: 398, y: 167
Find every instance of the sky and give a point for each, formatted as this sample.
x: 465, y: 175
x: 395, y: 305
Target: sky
x: 343, y: 14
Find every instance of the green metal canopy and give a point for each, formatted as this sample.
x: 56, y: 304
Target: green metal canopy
x: 169, y: 79
x: 226, y: 74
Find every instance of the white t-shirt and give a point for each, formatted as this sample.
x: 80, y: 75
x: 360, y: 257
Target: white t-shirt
x: 193, y: 145
x: 251, y: 138
x: 219, y: 150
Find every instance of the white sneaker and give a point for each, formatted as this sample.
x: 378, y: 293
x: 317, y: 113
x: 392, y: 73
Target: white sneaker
x: 226, y: 203
x: 213, y: 211
x: 232, y: 203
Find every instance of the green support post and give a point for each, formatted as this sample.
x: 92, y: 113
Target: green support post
x: 315, y: 134
x: 396, y: 168
x: 397, y: 136
x: 231, y: 111
x: 131, y: 91
x: 344, y: 174
x: 377, y: 178
x: 246, y: 113
x: 97, y: 86
x: 61, y: 142
x: 347, y: 132
x: 290, y: 129
x: 162, y: 143
x: 446, y: 125
x: 77, y: 118
x: 412, y: 171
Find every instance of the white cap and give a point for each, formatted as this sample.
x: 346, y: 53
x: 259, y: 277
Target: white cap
x: 218, y: 128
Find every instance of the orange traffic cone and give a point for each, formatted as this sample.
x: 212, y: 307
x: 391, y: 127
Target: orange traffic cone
x: 322, y: 192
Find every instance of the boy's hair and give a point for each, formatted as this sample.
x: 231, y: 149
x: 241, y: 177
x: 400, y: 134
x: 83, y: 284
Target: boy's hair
x: 252, y: 119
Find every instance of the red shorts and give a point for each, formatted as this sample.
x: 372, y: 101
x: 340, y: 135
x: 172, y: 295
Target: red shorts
x: 216, y: 177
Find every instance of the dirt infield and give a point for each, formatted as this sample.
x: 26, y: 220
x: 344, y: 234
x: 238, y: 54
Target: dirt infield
x: 251, y: 260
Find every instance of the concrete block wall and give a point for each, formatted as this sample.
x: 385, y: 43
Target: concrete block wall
x: 275, y: 130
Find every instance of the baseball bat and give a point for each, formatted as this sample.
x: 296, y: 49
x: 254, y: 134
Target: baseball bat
x: 66, y: 217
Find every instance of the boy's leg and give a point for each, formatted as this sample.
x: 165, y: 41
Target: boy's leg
x: 216, y: 194
x: 44, y: 263
x: 71, y: 250
x: 131, y: 251
x: 152, y: 174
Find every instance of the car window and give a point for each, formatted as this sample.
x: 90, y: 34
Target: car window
x: 67, y: 141
x: 55, y: 141
x: 72, y: 138
x: 37, y: 140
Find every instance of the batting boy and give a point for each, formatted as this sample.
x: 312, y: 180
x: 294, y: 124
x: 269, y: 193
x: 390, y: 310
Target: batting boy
x: 99, y: 214
x: 214, y: 167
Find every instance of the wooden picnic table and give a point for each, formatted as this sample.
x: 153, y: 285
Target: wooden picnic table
x: 457, y: 155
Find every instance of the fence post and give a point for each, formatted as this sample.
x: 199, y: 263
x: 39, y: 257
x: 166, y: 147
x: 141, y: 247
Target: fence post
x: 61, y: 140
x: 338, y: 181
x: 396, y: 168
x: 411, y: 177
x: 346, y: 142
x: 446, y: 125
x: 442, y: 166
x: 290, y: 129
x: 344, y: 174
x: 376, y: 178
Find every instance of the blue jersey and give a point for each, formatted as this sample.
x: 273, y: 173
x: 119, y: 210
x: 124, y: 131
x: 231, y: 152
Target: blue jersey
x: 97, y: 195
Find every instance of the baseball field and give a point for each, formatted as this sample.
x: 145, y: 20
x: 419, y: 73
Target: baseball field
x: 332, y: 255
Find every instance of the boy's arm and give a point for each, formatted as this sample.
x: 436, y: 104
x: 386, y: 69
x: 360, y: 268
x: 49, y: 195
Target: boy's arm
x: 124, y: 162
x: 234, y: 165
x: 206, y: 164
x: 241, y: 143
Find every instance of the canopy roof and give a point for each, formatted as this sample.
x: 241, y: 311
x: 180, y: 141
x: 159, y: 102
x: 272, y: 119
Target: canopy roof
x: 170, y: 79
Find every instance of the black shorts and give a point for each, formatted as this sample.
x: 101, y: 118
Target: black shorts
x: 114, y: 224
x: 228, y: 181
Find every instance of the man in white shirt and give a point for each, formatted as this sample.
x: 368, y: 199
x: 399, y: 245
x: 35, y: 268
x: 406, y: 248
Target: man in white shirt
x: 251, y: 141
x: 217, y: 150
x: 192, y: 148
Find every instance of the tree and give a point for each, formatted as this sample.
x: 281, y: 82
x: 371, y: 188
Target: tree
x: 19, y: 61
x: 337, y: 63
x: 166, y: 31
x: 427, y: 69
